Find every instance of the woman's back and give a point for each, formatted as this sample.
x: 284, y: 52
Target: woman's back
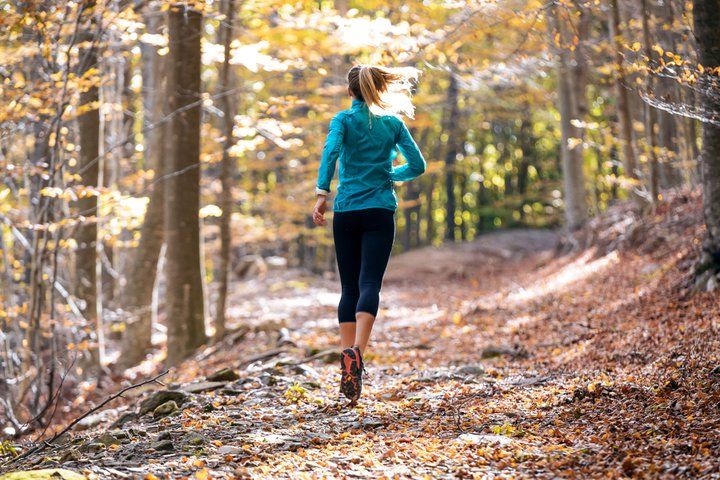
x: 364, y: 144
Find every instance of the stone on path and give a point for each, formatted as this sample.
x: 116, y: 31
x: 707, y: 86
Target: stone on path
x: 164, y: 446
x: 126, y: 417
x: 158, y: 398
x: 229, y: 450
x: 200, y: 387
x: 500, y: 350
x: 224, y: 375
x: 471, y: 370
x: 167, y: 408
x: 112, y: 438
x: 194, y: 438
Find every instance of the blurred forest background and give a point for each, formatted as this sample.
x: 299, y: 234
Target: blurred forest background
x: 152, y: 153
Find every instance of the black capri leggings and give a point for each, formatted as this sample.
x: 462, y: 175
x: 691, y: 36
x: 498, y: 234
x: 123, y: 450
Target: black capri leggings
x: 363, y: 241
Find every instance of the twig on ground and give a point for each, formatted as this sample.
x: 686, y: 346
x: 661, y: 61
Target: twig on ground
x: 261, y: 356
x: 316, y: 356
x: 230, y: 339
x: 47, y: 443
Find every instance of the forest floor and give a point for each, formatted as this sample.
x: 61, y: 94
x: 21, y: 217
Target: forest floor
x: 500, y: 358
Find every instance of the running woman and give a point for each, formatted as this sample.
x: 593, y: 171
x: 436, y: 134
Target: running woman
x: 364, y: 139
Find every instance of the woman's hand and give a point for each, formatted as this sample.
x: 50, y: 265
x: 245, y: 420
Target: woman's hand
x: 319, y: 211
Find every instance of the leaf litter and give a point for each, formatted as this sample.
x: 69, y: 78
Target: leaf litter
x: 496, y: 359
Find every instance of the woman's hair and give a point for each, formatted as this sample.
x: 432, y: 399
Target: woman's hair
x: 387, y: 89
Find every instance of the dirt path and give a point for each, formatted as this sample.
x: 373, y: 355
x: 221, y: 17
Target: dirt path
x: 483, y: 365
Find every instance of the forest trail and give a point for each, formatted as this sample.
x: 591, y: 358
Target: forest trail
x: 497, y: 358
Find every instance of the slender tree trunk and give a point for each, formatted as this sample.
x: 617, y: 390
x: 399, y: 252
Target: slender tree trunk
x: 623, y: 102
x: 411, y: 212
x: 527, y: 145
x: 464, y: 225
x: 429, y: 210
x: 706, y: 15
x: 452, y: 115
x: 481, y: 201
x: 667, y: 91
x: 572, y: 160
x: 143, y: 269
x: 414, y: 220
x: 111, y: 131
x: 406, y: 234
x: 227, y: 170
x: 650, y: 112
x: 184, y: 300
x: 614, y: 170
x: 505, y: 138
x: 89, y: 168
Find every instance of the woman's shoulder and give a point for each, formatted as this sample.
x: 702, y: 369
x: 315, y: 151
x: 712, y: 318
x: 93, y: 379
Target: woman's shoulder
x: 351, y: 114
x: 341, y: 115
x: 395, y: 121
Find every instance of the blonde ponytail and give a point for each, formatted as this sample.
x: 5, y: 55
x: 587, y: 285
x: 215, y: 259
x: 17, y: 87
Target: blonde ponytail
x: 387, y: 90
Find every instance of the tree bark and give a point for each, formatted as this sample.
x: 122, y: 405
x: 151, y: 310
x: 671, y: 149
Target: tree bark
x: 666, y: 90
x: 706, y: 15
x: 527, y: 145
x: 623, y: 102
x: 89, y: 168
x: 227, y: 170
x: 452, y: 115
x: 411, y: 235
x: 481, y: 201
x: 184, y: 301
x: 650, y: 111
x: 143, y: 269
x: 429, y: 209
x: 572, y: 159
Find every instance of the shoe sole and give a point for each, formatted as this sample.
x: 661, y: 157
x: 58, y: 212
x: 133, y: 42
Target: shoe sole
x: 349, y: 359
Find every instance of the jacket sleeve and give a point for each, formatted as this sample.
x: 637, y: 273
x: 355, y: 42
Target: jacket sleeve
x: 331, y: 152
x: 415, y: 165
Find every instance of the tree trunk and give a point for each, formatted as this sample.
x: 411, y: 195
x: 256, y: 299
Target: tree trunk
x: 88, y: 169
x: 623, y: 102
x: 572, y: 159
x: 650, y: 111
x: 411, y: 211
x: 414, y: 210
x: 527, y: 146
x: 429, y: 210
x: 184, y: 302
x: 143, y: 269
x: 225, y: 83
x: 481, y: 201
x: 451, y: 119
x: 406, y: 233
x: 706, y: 15
x: 666, y: 90
x: 465, y: 219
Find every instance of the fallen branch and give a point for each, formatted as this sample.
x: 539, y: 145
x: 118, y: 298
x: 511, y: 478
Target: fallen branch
x: 230, y: 339
x: 262, y: 356
x: 324, y: 353
x: 47, y: 443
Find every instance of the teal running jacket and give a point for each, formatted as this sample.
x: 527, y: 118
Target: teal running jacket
x: 366, y: 144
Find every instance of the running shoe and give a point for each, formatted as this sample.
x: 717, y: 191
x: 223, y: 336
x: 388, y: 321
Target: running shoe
x: 351, y: 366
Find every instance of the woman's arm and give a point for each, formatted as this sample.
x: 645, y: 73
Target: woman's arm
x: 330, y: 154
x: 415, y: 165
